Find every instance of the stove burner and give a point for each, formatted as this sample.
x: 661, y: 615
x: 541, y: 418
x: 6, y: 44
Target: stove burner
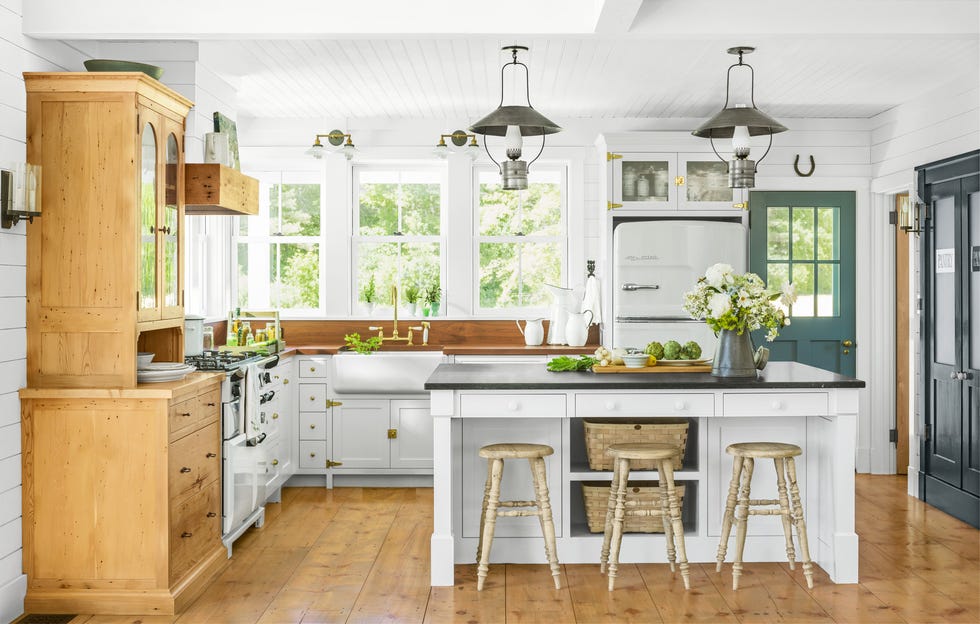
x: 222, y: 360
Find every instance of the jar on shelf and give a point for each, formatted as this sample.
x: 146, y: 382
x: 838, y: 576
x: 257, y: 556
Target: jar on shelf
x: 629, y: 183
x: 642, y: 187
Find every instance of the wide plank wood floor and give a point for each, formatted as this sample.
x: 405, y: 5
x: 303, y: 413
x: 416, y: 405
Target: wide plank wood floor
x: 361, y: 555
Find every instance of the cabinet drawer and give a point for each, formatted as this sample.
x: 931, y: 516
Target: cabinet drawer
x: 195, y: 528
x: 188, y: 415
x: 504, y: 405
x: 634, y: 405
x: 312, y: 397
x: 313, y: 454
x: 313, y: 426
x: 777, y: 404
x: 312, y: 368
x: 194, y: 461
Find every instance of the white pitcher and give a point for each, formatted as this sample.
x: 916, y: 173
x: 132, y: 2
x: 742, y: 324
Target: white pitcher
x: 564, y: 300
x: 533, y: 331
x: 577, y: 328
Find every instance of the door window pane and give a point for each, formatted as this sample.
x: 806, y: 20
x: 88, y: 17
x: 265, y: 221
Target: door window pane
x: 828, y: 240
x: 171, y: 255
x: 803, y: 280
x: 803, y: 227
x: 148, y: 219
x: 974, y: 268
x: 944, y: 302
x: 827, y: 288
x: 777, y: 235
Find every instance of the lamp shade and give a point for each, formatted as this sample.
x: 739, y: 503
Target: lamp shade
x: 723, y: 124
x: 531, y: 122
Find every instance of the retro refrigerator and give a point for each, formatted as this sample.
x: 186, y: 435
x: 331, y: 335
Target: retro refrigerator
x: 655, y: 263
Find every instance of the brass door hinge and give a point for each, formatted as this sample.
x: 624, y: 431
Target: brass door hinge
x: 392, y: 434
x: 334, y: 403
x: 679, y: 180
x: 741, y: 205
x: 330, y: 463
x: 611, y: 156
x: 611, y: 205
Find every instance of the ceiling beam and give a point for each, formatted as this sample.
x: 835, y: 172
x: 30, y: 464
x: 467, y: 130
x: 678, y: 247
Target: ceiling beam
x: 615, y: 16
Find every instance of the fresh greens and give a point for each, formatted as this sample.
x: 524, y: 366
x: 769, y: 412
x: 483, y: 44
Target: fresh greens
x: 566, y: 363
x: 368, y: 346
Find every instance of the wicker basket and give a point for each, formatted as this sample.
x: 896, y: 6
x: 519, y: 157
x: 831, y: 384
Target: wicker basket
x: 600, y: 435
x: 645, y: 493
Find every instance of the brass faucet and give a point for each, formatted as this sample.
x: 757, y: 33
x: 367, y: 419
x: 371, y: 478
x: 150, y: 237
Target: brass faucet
x: 394, y: 337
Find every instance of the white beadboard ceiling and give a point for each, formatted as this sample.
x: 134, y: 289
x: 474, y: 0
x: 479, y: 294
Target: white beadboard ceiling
x: 600, y: 59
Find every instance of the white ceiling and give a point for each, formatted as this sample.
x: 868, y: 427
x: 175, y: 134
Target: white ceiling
x: 601, y: 59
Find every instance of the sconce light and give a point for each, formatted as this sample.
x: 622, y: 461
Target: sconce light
x: 909, y: 216
x: 458, y: 139
x: 20, y: 194
x: 335, y: 138
x: 514, y: 123
x: 738, y: 123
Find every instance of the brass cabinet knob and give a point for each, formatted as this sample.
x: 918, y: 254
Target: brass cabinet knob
x: 848, y: 343
x: 313, y: 398
x: 312, y: 426
x: 186, y: 534
x: 313, y: 369
x: 275, y: 462
x: 211, y: 514
x: 209, y: 455
x: 285, y: 381
x: 275, y: 415
x: 312, y: 454
x: 185, y: 414
x: 185, y: 470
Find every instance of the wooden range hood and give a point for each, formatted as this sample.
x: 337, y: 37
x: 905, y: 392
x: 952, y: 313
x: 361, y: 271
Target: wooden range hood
x: 213, y: 189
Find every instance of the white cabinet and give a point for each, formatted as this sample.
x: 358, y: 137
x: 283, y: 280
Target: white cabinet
x: 313, y: 412
x: 382, y: 434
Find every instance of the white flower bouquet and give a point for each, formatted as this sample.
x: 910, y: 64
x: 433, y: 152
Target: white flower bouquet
x: 738, y: 302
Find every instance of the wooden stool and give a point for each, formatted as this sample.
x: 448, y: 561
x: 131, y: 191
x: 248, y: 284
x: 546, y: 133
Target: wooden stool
x: 790, y: 508
x: 616, y: 509
x: 534, y: 454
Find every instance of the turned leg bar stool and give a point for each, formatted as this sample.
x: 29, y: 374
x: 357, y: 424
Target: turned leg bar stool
x: 618, y: 509
x: 738, y: 507
x: 493, y: 507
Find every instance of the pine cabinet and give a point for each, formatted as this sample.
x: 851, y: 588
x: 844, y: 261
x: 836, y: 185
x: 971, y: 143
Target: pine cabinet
x: 105, y: 277
x: 122, y: 496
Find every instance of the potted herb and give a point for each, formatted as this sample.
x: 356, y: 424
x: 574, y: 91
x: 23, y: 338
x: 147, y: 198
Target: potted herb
x: 433, y: 294
x: 412, y: 298
x: 369, y: 295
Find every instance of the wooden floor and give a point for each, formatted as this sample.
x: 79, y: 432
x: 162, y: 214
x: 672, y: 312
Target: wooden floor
x: 361, y: 555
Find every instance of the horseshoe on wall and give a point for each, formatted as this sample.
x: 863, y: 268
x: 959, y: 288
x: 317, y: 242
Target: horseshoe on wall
x: 796, y: 167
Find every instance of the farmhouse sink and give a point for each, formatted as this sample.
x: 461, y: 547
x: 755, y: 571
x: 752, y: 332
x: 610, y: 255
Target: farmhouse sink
x: 383, y: 372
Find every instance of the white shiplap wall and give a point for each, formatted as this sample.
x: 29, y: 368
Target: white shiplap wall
x: 17, y: 54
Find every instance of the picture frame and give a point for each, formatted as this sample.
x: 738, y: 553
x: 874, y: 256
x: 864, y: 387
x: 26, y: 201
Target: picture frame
x: 223, y: 123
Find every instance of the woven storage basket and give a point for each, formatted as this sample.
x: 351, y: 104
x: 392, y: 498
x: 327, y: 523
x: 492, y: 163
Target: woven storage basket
x: 645, y: 493
x: 600, y: 435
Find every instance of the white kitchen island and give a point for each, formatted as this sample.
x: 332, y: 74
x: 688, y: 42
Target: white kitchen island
x: 477, y: 404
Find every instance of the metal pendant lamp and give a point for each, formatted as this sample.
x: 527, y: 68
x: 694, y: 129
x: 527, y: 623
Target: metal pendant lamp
x: 740, y: 122
x: 514, y: 122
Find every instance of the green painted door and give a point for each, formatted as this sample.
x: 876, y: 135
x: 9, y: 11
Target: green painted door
x: 807, y: 239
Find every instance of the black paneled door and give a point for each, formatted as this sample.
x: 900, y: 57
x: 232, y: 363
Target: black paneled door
x: 950, y: 450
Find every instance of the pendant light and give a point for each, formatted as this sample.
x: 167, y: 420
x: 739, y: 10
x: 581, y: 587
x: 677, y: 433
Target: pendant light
x: 514, y: 122
x: 739, y: 122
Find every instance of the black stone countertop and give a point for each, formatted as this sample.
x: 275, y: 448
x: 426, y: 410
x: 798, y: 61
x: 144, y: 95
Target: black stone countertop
x: 537, y: 377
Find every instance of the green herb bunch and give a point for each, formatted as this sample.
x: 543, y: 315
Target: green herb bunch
x: 364, y: 347
x: 566, y: 363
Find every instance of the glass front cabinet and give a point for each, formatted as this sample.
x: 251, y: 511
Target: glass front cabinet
x: 668, y: 181
x: 160, y: 218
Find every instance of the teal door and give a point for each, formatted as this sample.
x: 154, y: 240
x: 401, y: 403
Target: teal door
x: 807, y: 239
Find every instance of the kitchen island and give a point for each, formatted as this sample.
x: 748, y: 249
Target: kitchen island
x: 477, y: 404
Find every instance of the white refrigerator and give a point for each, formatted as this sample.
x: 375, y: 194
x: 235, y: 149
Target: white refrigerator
x: 654, y: 263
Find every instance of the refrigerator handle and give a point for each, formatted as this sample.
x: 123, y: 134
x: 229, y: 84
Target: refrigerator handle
x: 630, y: 286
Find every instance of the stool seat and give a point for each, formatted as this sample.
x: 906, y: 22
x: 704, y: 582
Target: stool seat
x: 642, y: 450
x: 763, y: 450
x: 515, y: 451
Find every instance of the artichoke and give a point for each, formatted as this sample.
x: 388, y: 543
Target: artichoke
x: 655, y: 349
x: 672, y: 350
x: 691, y: 351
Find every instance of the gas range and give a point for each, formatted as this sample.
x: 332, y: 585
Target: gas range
x: 223, y: 360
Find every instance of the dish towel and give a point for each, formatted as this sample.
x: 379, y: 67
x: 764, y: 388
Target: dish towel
x: 591, y: 299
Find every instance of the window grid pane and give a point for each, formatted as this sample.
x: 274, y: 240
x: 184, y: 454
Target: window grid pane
x: 777, y: 244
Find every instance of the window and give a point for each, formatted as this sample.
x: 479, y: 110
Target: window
x: 520, y: 239
x: 397, y: 234
x: 803, y: 247
x: 278, y: 250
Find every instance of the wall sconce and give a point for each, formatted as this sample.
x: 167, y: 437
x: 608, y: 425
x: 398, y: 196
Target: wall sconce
x: 20, y: 194
x: 514, y: 123
x: 335, y: 138
x: 458, y: 138
x: 738, y: 123
x: 909, y: 215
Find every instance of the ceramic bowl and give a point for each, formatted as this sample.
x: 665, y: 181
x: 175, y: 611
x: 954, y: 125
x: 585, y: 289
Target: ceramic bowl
x: 143, y: 358
x: 109, y: 65
x: 635, y: 360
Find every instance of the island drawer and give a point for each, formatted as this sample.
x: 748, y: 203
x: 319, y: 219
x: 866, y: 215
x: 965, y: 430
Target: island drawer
x: 647, y: 404
x: 777, y: 404
x: 508, y: 405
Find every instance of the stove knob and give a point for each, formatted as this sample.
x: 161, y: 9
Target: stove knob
x: 266, y: 377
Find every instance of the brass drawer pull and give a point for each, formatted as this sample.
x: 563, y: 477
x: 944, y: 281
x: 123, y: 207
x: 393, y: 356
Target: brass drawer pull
x: 211, y: 404
x: 211, y: 514
x: 185, y: 469
x: 186, y: 534
x: 185, y: 413
x: 209, y: 455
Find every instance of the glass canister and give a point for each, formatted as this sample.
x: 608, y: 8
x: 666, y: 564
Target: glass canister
x: 629, y: 183
x: 642, y: 187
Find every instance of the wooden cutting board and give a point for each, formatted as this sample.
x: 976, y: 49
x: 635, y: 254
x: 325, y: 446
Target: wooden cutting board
x: 659, y: 368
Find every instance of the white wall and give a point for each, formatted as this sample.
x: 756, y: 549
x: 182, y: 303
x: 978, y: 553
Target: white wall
x: 934, y: 126
x: 17, y: 54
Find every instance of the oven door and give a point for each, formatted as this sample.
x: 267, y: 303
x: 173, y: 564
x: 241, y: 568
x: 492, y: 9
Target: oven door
x: 243, y: 483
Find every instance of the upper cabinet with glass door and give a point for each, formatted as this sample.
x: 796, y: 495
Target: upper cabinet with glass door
x: 702, y: 183
x: 643, y: 181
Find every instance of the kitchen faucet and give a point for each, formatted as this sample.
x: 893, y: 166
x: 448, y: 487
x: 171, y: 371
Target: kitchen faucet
x: 394, y: 337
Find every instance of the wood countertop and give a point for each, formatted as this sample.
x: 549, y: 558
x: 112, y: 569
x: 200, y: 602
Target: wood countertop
x: 499, y: 349
x: 162, y: 390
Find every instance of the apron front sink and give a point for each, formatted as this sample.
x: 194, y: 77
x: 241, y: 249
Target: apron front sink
x: 384, y: 372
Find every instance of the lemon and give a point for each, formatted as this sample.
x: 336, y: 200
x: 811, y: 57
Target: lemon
x: 651, y: 361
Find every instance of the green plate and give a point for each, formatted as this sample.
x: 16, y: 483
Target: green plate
x: 108, y: 65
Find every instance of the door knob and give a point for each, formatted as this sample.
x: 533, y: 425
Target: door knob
x: 848, y: 343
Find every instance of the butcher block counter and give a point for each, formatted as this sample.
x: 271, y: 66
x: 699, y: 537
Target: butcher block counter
x: 477, y: 404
